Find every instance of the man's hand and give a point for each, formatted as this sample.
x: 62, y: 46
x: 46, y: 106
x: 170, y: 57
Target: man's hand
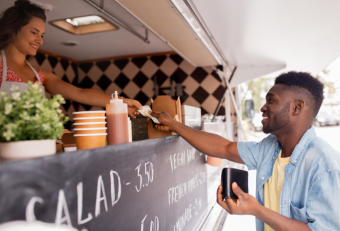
x: 133, y: 106
x: 165, y: 120
x: 245, y: 204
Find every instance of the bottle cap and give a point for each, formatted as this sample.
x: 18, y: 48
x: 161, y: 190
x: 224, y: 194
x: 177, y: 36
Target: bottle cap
x: 115, y: 98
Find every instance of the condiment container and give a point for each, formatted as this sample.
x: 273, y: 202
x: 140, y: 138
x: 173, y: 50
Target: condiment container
x: 130, y: 129
x: 117, y: 121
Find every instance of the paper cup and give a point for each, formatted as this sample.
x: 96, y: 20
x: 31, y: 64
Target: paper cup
x: 89, y: 130
x: 89, y: 119
x: 90, y: 125
x: 88, y: 141
x: 88, y: 114
x: 214, y: 161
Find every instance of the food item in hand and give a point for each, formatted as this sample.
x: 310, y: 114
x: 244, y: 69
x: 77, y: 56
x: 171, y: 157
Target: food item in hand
x: 145, y: 112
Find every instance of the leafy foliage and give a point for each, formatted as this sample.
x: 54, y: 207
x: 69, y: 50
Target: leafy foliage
x: 331, y: 88
x: 29, y: 115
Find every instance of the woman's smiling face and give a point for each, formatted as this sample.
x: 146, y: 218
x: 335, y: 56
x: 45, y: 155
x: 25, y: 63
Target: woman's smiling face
x: 30, y: 37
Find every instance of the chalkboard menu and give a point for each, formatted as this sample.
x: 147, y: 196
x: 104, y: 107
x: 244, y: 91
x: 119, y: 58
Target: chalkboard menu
x: 157, y: 184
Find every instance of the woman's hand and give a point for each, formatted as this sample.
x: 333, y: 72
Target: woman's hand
x: 246, y: 204
x: 92, y: 97
x: 54, y: 85
x: 133, y: 106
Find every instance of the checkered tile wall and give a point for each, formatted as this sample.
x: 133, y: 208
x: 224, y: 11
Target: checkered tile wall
x: 135, y: 77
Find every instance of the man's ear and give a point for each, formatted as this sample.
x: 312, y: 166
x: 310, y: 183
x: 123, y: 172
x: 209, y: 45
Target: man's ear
x: 298, y: 107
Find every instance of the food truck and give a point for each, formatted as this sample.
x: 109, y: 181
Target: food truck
x: 197, y: 50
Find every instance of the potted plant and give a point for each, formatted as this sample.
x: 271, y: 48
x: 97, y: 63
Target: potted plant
x: 29, y: 123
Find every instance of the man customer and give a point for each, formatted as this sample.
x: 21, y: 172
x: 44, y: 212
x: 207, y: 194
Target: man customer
x: 298, y: 174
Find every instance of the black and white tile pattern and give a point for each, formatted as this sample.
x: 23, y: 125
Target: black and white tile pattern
x: 135, y: 78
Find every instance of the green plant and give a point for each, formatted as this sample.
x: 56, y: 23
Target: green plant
x: 29, y: 115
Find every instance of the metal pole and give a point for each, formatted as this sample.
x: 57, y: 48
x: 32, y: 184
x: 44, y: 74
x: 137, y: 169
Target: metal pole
x: 239, y: 106
x: 228, y: 117
x: 222, y: 98
x: 116, y: 20
x: 236, y: 109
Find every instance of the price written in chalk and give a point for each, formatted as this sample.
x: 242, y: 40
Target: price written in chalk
x: 154, y: 225
x: 198, y: 205
x: 148, y: 172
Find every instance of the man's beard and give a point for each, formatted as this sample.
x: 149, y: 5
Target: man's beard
x: 281, y: 119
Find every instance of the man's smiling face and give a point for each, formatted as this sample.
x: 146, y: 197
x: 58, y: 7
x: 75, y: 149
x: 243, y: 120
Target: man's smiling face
x: 276, y: 111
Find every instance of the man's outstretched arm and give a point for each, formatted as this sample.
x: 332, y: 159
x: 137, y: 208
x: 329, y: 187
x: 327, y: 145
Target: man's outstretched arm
x: 207, y: 143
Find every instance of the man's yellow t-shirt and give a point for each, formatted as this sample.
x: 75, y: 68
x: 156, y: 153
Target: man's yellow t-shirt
x: 273, y: 186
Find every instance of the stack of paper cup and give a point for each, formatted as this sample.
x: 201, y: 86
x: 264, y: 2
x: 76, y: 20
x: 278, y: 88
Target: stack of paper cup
x: 90, y: 129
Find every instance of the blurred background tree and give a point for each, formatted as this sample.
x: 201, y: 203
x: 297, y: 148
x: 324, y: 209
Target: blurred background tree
x: 332, y: 88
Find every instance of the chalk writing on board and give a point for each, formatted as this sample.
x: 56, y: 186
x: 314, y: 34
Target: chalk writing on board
x: 182, y: 158
x: 148, y: 172
x: 198, y: 205
x: 154, y: 225
x: 182, y: 220
x: 62, y: 211
x: 148, y: 186
x: 175, y: 194
x: 30, y: 216
x: 80, y: 205
x: 188, y: 214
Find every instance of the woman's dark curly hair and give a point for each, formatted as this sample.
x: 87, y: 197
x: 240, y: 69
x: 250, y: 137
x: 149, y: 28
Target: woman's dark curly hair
x: 312, y: 87
x: 15, y: 17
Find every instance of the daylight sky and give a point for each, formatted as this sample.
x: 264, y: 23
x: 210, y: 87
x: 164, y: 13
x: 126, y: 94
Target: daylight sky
x: 334, y: 75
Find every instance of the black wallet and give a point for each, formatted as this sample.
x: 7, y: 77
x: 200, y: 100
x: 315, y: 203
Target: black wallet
x: 231, y: 175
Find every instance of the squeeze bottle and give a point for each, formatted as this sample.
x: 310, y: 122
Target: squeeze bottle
x: 117, y: 121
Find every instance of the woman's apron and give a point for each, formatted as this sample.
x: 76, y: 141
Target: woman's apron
x: 6, y: 86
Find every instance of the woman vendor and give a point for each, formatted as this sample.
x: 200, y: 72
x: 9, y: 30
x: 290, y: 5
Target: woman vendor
x: 22, y: 29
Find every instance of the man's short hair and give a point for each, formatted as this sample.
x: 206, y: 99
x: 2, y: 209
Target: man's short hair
x: 313, y: 88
